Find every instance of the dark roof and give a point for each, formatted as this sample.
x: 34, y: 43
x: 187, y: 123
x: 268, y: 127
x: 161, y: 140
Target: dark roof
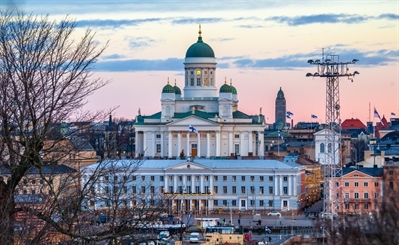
x: 46, y: 169
x: 375, y: 172
x: 81, y: 144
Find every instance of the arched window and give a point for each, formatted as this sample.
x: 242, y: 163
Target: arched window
x: 322, y: 150
x: 167, y: 111
x: 329, y: 147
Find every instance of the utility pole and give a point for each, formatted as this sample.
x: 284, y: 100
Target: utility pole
x: 330, y: 68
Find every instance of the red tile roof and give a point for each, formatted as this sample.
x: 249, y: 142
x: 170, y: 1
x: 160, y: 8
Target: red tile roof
x: 352, y: 124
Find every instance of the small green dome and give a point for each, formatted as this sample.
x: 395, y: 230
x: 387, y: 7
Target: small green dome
x: 177, y: 89
x: 200, y: 49
x: 168, y: 89
x: 225, y: 88
x: 233, y: 89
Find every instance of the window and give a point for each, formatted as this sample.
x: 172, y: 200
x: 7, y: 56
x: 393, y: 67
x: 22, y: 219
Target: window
x: 270, y: 203
x: 215, y: 189
x: 346, y: 205
x: 124, y: 189
x: 115, y: 178
x: 215, y: 202
x: 329, y: 148
x: 261, y: 178
x: 356, y: 206
x: 270, y: 189
x: 366, y: 184
x: 285, y: 178
x: 224, y: 203
x: 376, y: 195
x: 197, y: 189
x: 189, y: 189
x: 261, y: 190
x: 346, y: 184
x: 270, y: 178
x: 191, y: 81
x: 322, y: 150
x: 171, y: 189
x: 356, y: 184
x: 170, y: 178
x: 158, y: 148
x: 198, y: 81
x: 376, y: 184
x: 143, y: 190
x: 242, y: 178
x: 390, y: 185
x: 346, y: 195
x: 162, y: 189
x: 234, y: 190
x: 366, y: 195
x: 224, y: 178
x: 106, y: 179
x: 180, y: 178
x: 197, y: 178
x: 152, y: 178
x: 224, y: 189
x: 242, y: 189
x: 237, y: 149
x: 366, y: 206
x: 234, y: 203
x: 337, y: 184
x: 215, y: 178
x: 356, y: 195
x: 142, y: 178
x: 252, y: 178
x: 206, y: 178
x: 390, y: 172
x: 243, y: 203
x: 261, y: 203
x: 161, y: 178
x: 180, y: 189
x: 152, y: 189
x: 285, y: 190
x: 236, y: 136
x: 234, y: 178
x: 285, y: 203
x: 252, y: 189
x: 192, y: 72
x: 252, y: 203
x: 106, y: 190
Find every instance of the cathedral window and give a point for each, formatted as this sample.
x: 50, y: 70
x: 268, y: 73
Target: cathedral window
x: 237, y: 136
x: 329, y: 147
x: 198, y: 81
x: 191, y: 72
x: 158, y: 148
x: 322, y: 150
x: 237, y: 149
x: 192, y: 81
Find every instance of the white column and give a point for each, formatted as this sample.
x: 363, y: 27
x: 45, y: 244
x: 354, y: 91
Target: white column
x: 294, y: 185
x: 275, y: 185
x: 262, y: 140
x: 170, y: 144
x: 184, y: 181
x: 198, y: 144
x: 281, y: 185
x: 208, y: 145
x: 154, y: 145
x: 193, y: 183
x: 211, y: 183
x: 231, y: 142
x: 175, y: 183
x: 242, y: 143
x: 145, y: 143
x: 202, y: 183
x: 188, y: 153
x: 162, y: 151
x: 138, y: 144
x: 250, y: 142
x: 166, y: 183
x: 217, y: 143
x: 178, y: 143
x: 289, y: 185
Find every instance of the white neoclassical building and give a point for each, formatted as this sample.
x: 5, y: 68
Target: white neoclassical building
x: 219, y: 129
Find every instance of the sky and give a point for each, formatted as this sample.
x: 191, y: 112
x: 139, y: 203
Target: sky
x: 260, y: 45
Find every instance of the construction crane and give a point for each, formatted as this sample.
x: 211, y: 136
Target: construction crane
x: 330, y: 68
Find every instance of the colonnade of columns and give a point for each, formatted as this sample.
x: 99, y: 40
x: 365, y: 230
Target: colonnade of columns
x: 153, y: 143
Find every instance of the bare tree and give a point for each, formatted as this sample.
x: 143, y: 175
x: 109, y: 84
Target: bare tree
x: 45, y: 77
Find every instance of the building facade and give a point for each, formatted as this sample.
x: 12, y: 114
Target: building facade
x: 218, y: 128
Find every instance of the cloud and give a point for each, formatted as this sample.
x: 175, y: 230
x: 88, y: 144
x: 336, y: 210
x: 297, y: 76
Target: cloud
x: 113, y: 57
x: 114, y: 23
x: 319, y: 18
x: 171, y: 64
x: 180, y: 21
x: 139, y: 42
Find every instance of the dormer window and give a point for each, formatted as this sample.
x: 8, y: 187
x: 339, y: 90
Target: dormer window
x: 188, y: 165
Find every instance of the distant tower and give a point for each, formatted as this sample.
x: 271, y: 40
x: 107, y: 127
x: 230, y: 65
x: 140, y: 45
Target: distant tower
x: 280, y: 109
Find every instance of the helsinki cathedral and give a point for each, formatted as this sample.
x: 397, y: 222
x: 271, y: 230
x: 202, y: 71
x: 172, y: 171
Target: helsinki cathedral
x: 202, y: 122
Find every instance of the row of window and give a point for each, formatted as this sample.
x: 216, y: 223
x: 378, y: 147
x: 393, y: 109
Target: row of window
x: 197, y: 178
x: 365, y: 195
x: 365, y: 184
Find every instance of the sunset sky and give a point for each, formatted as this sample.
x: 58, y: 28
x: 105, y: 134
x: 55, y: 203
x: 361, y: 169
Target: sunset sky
x: 260, y: 45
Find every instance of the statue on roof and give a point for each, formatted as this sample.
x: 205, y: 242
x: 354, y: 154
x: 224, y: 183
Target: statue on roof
x: 139, y: 112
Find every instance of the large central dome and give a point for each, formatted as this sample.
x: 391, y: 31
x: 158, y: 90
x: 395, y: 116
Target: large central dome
x: 200, y: 49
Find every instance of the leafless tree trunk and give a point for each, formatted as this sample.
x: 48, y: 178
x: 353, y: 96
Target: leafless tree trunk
x: 45, y: 77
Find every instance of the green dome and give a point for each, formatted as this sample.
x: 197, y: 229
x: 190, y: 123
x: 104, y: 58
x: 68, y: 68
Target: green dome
x: 177, y: 90
x: 168, y: 89
x: 200, y: 49
x: 233, y: 89
x: 225, y: 88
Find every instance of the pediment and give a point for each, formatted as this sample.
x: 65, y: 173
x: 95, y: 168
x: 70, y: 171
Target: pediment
x: 192, y: 120
x: 187, y: 166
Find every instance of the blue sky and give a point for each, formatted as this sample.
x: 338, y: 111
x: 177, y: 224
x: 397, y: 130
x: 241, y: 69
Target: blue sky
x: 260, y: 45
